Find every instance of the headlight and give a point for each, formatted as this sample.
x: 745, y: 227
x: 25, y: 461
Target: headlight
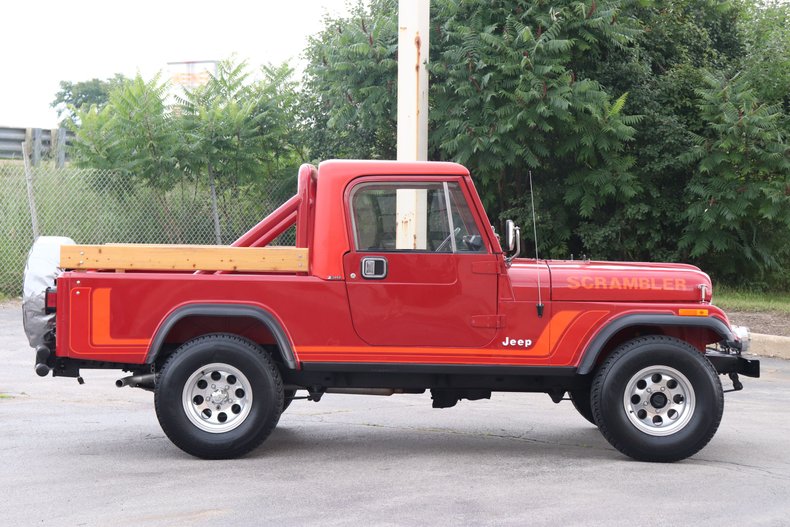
x: 744, y: 335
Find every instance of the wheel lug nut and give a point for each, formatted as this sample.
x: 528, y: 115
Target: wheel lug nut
x: 649, y: 390
x: 662, y: 388
x: 645, y: 403
x: 215, y: 386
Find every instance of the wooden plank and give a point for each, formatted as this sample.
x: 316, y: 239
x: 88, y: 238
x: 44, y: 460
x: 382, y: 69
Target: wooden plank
x: 183, y: 258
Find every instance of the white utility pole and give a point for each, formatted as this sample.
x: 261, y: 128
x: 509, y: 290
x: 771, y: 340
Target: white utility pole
x: 413, y: 32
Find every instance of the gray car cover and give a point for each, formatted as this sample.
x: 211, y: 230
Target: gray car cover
x: 40, y: 273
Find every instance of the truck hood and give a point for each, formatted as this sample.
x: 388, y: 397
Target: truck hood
x: 585, y: 281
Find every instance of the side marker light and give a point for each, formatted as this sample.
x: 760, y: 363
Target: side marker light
x: 693, y: 312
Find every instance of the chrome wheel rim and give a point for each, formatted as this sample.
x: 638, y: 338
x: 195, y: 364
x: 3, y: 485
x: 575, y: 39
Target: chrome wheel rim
x: 217, y: 398
x: 659, y: 400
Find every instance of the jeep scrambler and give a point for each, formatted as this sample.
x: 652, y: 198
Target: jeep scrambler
x: 397, y: 284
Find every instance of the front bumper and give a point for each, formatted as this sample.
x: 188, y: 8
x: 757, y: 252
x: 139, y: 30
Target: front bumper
x: 730, y: 360
x: 733, y: 363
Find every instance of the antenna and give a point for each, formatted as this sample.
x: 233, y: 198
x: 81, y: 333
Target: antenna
x: 535, y: 234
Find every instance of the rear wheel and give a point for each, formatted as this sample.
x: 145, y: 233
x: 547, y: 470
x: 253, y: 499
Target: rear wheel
x: 657, y: 398
x: 218, y: 396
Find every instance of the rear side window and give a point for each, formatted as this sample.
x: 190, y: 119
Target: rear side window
x: 409, y: 216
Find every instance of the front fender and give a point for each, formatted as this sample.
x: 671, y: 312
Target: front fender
x: 593, y: 350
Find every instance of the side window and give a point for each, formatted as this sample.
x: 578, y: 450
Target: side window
x: 467, y: 237
x: 412, y: 216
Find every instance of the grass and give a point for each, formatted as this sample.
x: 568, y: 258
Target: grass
x: 732, y: 299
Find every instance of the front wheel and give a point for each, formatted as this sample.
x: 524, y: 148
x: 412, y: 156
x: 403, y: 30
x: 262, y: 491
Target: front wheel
x: 657, y: 398
x: 218, y: 396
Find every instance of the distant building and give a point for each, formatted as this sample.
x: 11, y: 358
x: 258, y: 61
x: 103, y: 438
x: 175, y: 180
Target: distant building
x: 189, y: 75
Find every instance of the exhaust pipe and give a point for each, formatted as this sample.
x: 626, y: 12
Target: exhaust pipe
x: 42, y: 356
x: 146, y: 381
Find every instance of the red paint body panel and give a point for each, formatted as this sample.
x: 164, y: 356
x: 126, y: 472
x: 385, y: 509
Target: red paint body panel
x: 318, y: 321
x: 627, y: 282
x: 426, y: 299
x: 432, y: 308
x: 325, y: 321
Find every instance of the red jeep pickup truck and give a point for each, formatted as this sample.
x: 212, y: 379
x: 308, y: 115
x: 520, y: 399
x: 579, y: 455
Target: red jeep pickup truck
x: 397, y: 284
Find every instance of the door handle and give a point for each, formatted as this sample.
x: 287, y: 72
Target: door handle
x: 374, y: 267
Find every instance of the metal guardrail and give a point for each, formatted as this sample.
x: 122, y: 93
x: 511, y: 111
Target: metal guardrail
x: 38, y: 142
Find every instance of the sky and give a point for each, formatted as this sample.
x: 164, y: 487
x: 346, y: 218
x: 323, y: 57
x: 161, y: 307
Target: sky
x: 43, y: 42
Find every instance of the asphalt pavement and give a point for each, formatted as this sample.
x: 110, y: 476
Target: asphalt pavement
x: 95, y: 455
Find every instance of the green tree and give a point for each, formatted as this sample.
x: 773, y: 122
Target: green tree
x: 681, y: 42
x: 766, y: 61
x: 660, y: 70
x: 349, y: 100
x: 75, y: 95
x: 510, y: 97
x: 739, y: 214
x: 133, y: 135
x: 237, y: 133
x: 505, y: 99
x: 519, y: 86
x: 232, y: 135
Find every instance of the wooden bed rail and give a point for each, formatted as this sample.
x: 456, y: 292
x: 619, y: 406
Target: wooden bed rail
x: 132, y: 257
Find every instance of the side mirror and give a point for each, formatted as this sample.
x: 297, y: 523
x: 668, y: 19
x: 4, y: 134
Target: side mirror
x: 513, y: 238
x: 510, y: 234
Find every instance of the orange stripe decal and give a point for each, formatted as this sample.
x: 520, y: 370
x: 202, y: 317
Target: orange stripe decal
x: 544, y: 346
x: 584, y: 323
x: 559, y: 323
x: 100, y: 322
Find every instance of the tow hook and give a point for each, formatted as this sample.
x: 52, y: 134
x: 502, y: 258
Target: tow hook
x: 737, y: 385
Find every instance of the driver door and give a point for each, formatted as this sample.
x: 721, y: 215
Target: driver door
x: 420, y: 273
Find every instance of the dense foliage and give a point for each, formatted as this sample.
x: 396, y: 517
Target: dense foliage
x: 230, y: 135
x: 656, y: 130
x: 689, y: 72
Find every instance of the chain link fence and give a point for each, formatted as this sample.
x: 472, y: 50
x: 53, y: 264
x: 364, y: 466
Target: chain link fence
x: 95, y: 206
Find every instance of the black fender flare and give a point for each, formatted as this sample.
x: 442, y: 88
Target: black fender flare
x: 223, y: 310
x: 596, y: 345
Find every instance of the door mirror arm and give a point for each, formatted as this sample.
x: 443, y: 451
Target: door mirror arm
x: 513, y: 237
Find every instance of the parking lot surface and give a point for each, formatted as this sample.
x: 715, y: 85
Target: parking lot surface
x: 95, y: 455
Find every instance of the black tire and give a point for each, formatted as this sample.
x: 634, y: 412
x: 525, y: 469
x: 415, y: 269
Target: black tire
x: 581, y: 401
x: 249, y: 394
x: 655, y: 370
